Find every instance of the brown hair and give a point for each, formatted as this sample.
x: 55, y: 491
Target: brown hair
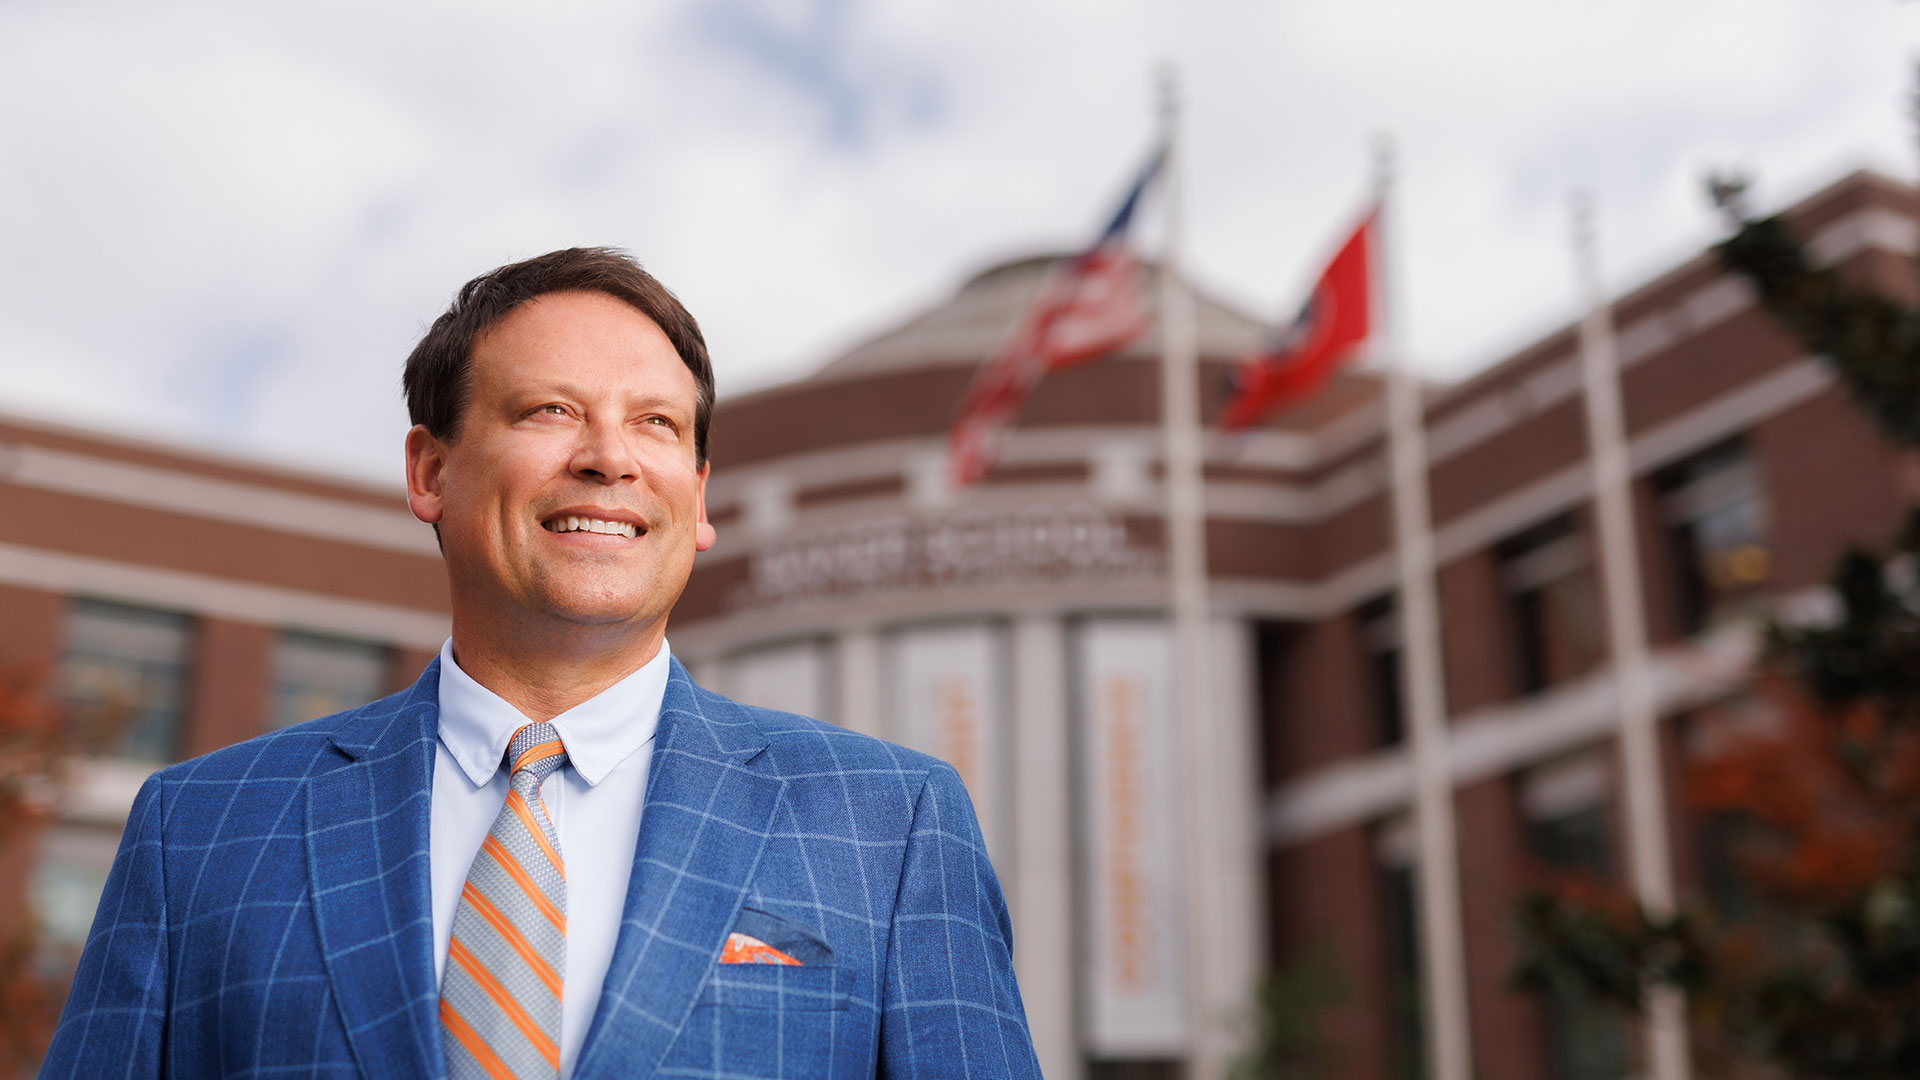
x: 440, y: 369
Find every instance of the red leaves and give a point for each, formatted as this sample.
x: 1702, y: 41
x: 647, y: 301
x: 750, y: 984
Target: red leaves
x: 35, y: 745
x: 1835, y: 795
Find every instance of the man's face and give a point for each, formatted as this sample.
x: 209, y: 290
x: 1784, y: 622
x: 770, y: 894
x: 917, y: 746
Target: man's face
x: 571, y: 492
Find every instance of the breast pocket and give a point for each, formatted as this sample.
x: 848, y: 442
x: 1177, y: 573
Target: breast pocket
x: 771, y: 1020
x: 777, y: 987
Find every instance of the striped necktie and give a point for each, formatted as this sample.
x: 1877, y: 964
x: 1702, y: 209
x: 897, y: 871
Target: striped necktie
x: 500, y: 996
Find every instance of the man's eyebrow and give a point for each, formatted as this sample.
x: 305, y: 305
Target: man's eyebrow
x: 655, y: 401
x: 545, y: 389
x: 577, y: 392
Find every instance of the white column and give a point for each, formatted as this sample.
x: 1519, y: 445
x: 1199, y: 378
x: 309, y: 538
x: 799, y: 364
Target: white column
x: 794, y: 677
x: 1644, y: 784
x: 857, y: 665
x: 710, y: 672
x: 1040, y: 885
x: 1234, y: 861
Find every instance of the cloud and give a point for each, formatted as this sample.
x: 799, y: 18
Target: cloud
x: 230, y: 222
x: 811, y: 50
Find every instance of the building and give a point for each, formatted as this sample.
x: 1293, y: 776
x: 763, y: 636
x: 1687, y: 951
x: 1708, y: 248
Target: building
x: 1019, y: 629
x: 186, y: 602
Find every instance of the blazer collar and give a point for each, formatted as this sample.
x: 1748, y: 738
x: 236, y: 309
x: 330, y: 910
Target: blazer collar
x: 711, y: 801
x: 367, y: 837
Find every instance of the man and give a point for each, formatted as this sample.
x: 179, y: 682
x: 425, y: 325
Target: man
x: 554, y: 855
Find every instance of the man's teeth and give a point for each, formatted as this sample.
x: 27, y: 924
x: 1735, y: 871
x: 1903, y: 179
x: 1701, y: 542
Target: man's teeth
x: 593, y: 525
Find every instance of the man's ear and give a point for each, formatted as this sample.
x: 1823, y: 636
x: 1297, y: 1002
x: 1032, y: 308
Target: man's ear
x: 703, y: 534
x: 426, y: 460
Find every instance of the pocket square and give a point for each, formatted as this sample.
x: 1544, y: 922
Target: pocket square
x: 741, y: 949
x: 761, y: 937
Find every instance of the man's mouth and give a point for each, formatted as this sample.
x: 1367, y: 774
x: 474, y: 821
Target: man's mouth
x: 572, y: 523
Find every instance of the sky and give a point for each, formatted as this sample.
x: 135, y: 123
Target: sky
x: 224, y: 225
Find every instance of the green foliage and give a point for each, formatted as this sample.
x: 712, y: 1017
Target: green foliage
x: 1285, y: 1040
x: 1866, y: 658
x: 1578, y: 940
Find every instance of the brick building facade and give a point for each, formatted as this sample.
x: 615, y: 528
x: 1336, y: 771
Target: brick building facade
x: 1019, y: 628
x: 196, y: 601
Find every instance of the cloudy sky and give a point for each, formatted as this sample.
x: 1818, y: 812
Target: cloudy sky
x: 224, y: 225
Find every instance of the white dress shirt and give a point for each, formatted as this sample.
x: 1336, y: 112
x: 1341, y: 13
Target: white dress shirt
x: 595, y: 801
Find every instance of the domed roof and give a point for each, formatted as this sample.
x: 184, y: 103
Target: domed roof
x: 969, y: 326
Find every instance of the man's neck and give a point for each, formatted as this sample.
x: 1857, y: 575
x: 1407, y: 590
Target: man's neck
x: 547, y: 675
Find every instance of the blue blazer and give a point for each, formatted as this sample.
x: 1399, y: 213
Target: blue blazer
x: 268, y: 912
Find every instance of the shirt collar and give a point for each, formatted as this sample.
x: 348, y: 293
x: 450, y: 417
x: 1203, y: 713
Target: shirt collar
x: 476, y: 724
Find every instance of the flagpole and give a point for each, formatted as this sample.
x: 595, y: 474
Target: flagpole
x: 1645, y: 788
x: 1443, y: 952
x: 1187, y: 572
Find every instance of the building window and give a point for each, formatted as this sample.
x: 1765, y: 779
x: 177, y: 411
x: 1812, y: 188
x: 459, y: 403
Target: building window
x: 1715, y: 516
x: 1380, y: 649
x: 1548, y: 579
x: 1725, y: 840
x: 1397, y: 882
x: 1575, y: 842
x: 1568, y: 831
x: 124, y: 671
x: 1405, y: 1002
x: 318, y: 676
x: 64, y: 891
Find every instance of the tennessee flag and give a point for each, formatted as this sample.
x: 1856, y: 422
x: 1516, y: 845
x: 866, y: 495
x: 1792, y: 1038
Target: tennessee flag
x: 1332, y: 324
x: 1089, y: 305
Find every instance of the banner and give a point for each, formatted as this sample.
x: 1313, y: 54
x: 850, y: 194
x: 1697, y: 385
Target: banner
x: 1134, y: 960
x: 947, y: 699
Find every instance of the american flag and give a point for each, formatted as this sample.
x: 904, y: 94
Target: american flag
x: 1090, y: 304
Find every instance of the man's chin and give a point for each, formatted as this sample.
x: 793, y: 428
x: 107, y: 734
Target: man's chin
x: 592, y: 602
x: 589, y: 616
x: 583, y: 606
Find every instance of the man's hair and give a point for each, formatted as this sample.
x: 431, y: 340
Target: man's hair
x: 439, y: 373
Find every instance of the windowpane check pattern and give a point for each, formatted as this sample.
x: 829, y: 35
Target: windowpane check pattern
x: 500, y: 998
x: 268, y: 914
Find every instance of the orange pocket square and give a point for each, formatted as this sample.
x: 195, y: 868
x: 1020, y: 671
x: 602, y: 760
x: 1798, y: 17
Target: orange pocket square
x: 741, y: 949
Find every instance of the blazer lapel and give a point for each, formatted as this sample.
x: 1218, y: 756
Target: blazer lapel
x: 708, y: 811
x: 367, y: 836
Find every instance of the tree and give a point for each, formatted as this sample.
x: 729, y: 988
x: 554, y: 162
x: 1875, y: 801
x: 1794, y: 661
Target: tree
x: 1820, y: 976
x: 36, y: 746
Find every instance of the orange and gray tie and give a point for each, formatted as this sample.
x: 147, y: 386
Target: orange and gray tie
x: 500, y: 996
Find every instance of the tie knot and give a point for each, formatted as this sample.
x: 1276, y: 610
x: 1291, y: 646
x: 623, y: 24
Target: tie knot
x: 534, y: 753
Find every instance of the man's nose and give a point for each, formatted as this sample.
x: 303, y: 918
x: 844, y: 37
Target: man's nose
x: 605, y: 454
